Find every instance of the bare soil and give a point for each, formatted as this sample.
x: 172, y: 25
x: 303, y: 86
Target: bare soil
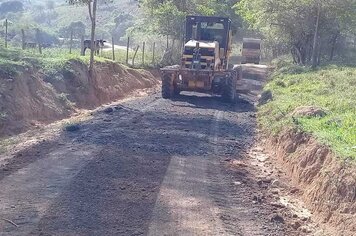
x: 327, y: 183
x: 31, y: 99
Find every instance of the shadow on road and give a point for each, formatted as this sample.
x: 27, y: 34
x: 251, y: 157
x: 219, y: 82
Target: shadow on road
x: 116, y: 192
x: 203, y: 101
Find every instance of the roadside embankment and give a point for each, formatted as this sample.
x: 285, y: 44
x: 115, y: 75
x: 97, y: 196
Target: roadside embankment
x: 309, y: 117
x: 39, y: 91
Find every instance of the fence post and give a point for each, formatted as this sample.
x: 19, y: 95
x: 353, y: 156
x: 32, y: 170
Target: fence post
x: 38, y: 38
x: 127, y: 50
x: 143, y: 53
x: 113, y: 48
x: 153, y: 53
x: 133, y: 59
x: 23, y: 39
x: 71, y: 42
x: 6, y: 22
x: 82, y: 53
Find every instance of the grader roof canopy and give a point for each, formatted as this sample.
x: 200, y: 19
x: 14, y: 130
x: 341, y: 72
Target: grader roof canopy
x: 207, y: 28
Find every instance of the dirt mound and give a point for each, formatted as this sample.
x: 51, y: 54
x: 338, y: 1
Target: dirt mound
x: 309, y: 111
x: 328, y: 182
x: 30, y: 98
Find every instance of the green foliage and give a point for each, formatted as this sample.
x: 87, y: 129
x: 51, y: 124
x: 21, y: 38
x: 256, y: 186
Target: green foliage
x: 11, y: 6
x: 290, y: 25
x: 50, y: 62
x: 167, y: 17
x: 75, y: 27
x: 331, y: 88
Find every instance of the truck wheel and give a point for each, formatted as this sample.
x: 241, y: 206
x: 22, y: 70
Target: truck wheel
x: 229, y: 93
x: 167, y: 87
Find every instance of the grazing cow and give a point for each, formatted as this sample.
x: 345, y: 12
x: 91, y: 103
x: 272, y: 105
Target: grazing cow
x: 30, y: 45
x: 99, y: 43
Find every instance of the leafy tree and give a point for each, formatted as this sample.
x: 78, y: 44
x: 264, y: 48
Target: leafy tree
x: 77, y: 27
x: 305, y: 27
x: 167, y: 17
x: 11, y: 6
x: 92, y: 7
x: 121, y: 23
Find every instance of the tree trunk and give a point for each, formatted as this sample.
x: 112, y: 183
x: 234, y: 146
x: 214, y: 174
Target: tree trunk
x: 333, y: 46
x: 23, y: 39
x: 39, y: 40
x: 6, y: 31
x: 92, y: 14
x: 315, y: 42
x: 299, y: 56
x: 71, y: 41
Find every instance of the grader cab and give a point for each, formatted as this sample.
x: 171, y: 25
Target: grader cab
x: 205, y: 60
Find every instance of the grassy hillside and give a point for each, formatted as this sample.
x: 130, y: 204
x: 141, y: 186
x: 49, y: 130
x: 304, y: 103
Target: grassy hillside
x: 51, y: 61
x: 113, y: 18
x: 331, y: 88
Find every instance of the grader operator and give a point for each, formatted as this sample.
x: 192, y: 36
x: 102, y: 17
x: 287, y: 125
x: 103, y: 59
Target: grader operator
x: 205, y: 60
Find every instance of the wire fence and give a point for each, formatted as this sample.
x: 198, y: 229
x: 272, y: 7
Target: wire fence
x: 130, y: 50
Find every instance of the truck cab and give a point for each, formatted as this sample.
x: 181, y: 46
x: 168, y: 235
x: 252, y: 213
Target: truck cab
x: 251, y: 50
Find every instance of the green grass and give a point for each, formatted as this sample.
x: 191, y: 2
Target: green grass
x: 331, y: 88
x: 120, y: 56
x: 51, y: 61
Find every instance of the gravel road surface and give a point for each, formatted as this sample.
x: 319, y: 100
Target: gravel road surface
x: 149, y: 166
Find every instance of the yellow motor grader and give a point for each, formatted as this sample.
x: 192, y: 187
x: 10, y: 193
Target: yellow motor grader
x: 205, y: 60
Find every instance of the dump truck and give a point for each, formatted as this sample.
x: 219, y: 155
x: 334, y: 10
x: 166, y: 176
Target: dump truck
x: 251, y: 50
x: 204, y: 63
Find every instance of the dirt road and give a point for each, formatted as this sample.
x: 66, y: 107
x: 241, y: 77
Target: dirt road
x: 149, y: 167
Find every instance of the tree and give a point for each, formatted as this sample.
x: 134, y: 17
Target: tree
x: 121, y: 23
x: 11, y: 6
x: 306, y: 27
x: 77, y: 27
x: 168, y: 16
x: 92, y: 7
